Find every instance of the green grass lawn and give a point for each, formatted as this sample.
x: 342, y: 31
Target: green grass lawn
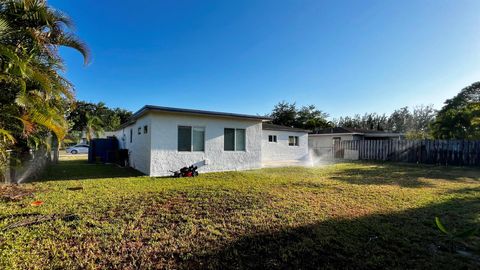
x: 350, y: 215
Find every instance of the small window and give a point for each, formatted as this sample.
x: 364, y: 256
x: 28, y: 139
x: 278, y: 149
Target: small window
x: 234, y: 139
x: 131, y: 135
x: 145, y: 129
x: 293, y: 140
x: 139, y: 130
x: 198, y: 139
x: 184, y: 138
x: 239, y: 139
x: 272, y: 138
x: 191, y: 139
x: 229, y: 139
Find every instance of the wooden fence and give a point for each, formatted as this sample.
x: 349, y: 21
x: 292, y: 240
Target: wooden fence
x: 451, y: 152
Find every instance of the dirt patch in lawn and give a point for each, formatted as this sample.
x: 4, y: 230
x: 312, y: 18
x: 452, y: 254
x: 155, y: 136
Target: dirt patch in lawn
x: 15, y: 193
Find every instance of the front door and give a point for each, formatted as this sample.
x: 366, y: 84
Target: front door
x: 337, y: 151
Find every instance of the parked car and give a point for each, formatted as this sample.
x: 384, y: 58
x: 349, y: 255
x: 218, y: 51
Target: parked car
x: 78, y: 149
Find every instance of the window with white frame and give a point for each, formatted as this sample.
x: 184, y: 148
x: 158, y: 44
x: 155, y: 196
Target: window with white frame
x: 234, y: 139
x: 272, y: 138
x: 293, y: 140
x: 191, y: 138
x: 145, y: 129
x: 139, y: 130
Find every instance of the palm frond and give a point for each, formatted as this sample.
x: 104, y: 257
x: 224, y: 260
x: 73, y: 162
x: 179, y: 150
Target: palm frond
x: 61, y: 17
x: 6, y: 136
x: 4, y: 28
x: 17, y: 66
x: 71, y: 41
x: 39, y: 112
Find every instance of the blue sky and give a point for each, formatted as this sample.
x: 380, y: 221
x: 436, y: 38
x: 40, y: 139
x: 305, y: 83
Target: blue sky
x: 345, y: 57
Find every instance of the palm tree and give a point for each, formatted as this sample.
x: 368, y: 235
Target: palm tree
x: 33, y: 93
x: 94, y: 126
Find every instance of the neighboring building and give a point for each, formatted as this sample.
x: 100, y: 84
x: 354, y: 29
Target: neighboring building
x: 103, y: 135
x: 283, y: 145
x: 324, y: 141
x: 163, y: 139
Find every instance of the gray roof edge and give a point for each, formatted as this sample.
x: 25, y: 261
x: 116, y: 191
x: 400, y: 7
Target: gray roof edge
x: 146, y: 108
x: 269, y: 126
x: 203, y: 112
x: 330, y: 134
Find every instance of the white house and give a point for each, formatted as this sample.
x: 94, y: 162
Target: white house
x: 283, y: 145
x: 326, y: 142
x: 163, y: 139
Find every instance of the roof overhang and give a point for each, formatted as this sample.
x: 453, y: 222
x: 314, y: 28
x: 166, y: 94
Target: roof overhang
x: 389, y: 135
x: 152, y: 108
x: 334, y: 134
x: 273, y: 127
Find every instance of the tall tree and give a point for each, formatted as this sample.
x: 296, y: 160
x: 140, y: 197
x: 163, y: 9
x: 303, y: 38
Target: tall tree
x: 111, y: 118
x: 422, y: 118
x: 285, y: 114
x: 459, y: 117
x: 368, y: 121
x: 307, y: 117
x: 34, y: 96
x: 400, y: 120
x: 94, y: 127
x: 415, y: 123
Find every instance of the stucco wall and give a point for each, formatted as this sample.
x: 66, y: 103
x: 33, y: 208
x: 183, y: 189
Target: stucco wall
x: 164, y: 143
x: 281, y: 151
x: 322, y: 145
x: 321, y: 141
x: 139, y: 148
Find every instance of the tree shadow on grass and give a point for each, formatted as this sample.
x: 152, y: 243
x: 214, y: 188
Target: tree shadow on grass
x: 405, y: 175
x: 81, y: 169
x: 467, y: 191
x: 406, y: 239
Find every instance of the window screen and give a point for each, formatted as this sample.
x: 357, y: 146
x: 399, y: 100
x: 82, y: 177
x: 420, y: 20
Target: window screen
x: 184, y: 138
x: 240, y: 139
x: 198, y: 135
x: 229, y: 139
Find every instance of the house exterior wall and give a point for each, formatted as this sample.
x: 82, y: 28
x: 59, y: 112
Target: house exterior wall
x: 326, y: 141
x: 165, y: 156
x: 323, y: 145
x: 139, y: 147
x: 281, y: 151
